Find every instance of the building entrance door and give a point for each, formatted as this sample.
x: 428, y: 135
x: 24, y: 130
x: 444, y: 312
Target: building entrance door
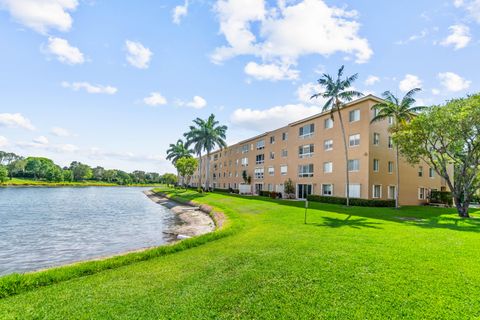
x: 303, y: 190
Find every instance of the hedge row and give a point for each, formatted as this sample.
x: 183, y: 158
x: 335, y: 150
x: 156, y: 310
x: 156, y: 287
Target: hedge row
x: 270, y: 194
x: 353, y: 201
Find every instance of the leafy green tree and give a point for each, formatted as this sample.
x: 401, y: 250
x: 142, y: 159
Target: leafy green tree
x: 289, y: 188
x: 186, y: 168
x: 54, y: 173
x: 401, y: 111
x: 123, y: 178
x: 205, y: 135
x: 177, y: 151
x: 445, y: 137
x: 3, y: 173
x: 17, y: 167
x: 97, y: 173
x: 67, y: 175
x: 38, y: 167
x: 169, y: 179
x: 338, y: 92
x: 81, y: 171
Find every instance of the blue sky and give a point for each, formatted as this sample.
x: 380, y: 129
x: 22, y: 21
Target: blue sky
x: 112, y: 83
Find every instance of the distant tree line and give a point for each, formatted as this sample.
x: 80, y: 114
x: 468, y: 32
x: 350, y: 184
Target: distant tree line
x: 39, y: 168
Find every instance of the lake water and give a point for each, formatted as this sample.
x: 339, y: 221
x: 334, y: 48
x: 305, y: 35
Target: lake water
x: 44, y: 227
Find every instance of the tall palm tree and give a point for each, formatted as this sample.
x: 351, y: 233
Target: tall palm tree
x: 401, y: 112
x: 205, y: 135
x: 177, y: 151
x: 338, y: 92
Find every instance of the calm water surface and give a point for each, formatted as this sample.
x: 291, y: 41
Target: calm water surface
x: 44, y: 227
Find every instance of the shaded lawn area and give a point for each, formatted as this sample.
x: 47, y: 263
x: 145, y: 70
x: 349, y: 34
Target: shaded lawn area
x: 374, y: 263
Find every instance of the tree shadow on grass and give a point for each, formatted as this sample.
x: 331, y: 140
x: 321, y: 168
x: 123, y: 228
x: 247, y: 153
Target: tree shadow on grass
x: 348, y: 222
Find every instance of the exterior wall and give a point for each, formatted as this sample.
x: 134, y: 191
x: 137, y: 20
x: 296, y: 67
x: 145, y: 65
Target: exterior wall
x: 226, y: 165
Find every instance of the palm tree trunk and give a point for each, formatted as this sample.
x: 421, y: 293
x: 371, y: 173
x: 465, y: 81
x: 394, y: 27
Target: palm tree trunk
x: 200, y: 171
x: 347, y: 175
x: 397, y: 189
x: 207, y: 169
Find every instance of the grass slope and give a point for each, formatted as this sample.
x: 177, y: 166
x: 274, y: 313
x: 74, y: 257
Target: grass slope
x: 375, y: 263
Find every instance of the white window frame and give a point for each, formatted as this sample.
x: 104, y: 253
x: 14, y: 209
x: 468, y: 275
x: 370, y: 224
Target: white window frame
x: 350, y: 189
x: 282, y: 172
x: 355, y: 113
x: 329, y: 165
x: 390, y: 195
x: 272, y: 171
x: 392, y: 165
x: 284, y: 153
x: 259, y: 173
x: 354, y: 140
x: 353, y: 170
x: 311, y: 131
x: 390, y: 142
x: 331, y: 186
x: 373, y: 191
x: 306, y: 174
x: 376, y: 142
x: 431, y: 173
x: 376, y: 165
x: 420, y: 196
x: 260, y: 161
x: 330, y: 145
x: 260, y: 145
x: 328, y: 123
x: 301, y: 151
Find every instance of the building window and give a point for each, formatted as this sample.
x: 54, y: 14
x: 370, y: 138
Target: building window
x: 354, y: 140
x: 390, y: 142
x: 377, y: 191
x: 390, y: 166
x: 270, y: 187
x: 285, y: 136
x: 354, y: 115
x: 327, y: 167
x: 305, y: 151
x: 353, y: 165
x: 245, y: 162
x: 431, y: 173
x: 327, y: 189
x: 283, y: 170
x: 271, y: 171
x: 260, y: 159
x: 272, y: 139
x: 272, y: 155
x: 354, y: 190
x: 245, y: 148
x: 390, y: 120
x: 328, y: 123
x: 261, y: 145
x: 305, y: 171
x: 376, y: 138
x: 284, y: 153
x: 376, y: 112
x: 328, y: 145
x: 306, y: 131
x: 376, y: 165
x: 392, y: 192
x: 420, y: 171
x: 259, y: 173
x: 421, y: 193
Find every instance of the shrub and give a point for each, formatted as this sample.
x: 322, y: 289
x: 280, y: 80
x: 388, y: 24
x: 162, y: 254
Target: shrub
x: 443, y: 197
x: 353, y: 201
x: 271, y: 194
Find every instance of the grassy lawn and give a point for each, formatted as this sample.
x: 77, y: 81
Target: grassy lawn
x: 30, y: 182
x: 364, y: 263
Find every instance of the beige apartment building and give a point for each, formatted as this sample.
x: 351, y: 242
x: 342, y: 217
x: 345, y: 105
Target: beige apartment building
x: 310, y: 152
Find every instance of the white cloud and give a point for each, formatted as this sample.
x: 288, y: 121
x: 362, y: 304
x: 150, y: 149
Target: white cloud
x: 268, y: 119
x: 459, y: 37
x: 41, y: 140
x: 414, y: 37
x: 307, y: 90
x: 288, y: 31
x: 197, y: 103
x: 3, y: 141
x: 410, y: 82
x: 271, y: 72
x: 155, y: 99
x: 137, y: 55
x: 64, y: 52
x: 42, y: 15
x: 435, y: 92
x: 179, y: 12
x: 15, y: 120
x: 90, y: 88
x: 60, y: 132
x: 471, y: 6
x: 453, y: 82
x: 100, y: 154
x: 371, y: 80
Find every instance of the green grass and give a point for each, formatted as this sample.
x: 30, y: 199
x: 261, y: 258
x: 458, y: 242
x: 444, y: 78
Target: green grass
x: 16, y: 182
x: 364, y: 263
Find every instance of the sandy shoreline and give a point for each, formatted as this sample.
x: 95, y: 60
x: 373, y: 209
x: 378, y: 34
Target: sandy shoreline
x: 195, y: 221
